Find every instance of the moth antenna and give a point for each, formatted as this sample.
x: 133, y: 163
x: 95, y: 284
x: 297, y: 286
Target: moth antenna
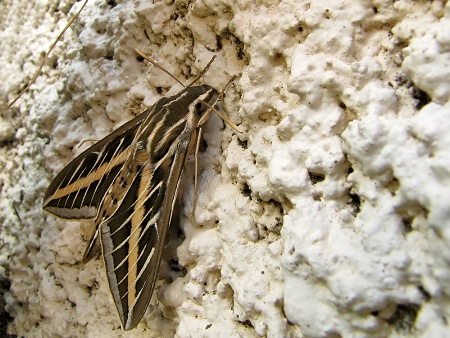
x: 222, y: 116
x: 205, y: 116
x: 203, y: 71
x: 44, y: 60
x: 154, y: 63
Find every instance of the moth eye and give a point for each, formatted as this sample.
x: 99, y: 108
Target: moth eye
x: 200, y: 107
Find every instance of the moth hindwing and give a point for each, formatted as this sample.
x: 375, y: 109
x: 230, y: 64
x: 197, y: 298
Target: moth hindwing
x: 127, y: 183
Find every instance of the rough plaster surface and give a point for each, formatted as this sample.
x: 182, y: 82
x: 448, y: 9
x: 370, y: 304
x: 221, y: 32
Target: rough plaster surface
x: 329, y: 216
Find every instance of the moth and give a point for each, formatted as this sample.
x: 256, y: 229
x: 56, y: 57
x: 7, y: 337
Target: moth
x: 127, y: 184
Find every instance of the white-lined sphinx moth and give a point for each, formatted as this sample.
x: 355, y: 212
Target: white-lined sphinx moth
x: 127, y: 183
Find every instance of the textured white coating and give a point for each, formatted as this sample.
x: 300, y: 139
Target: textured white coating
x: 328, y: 217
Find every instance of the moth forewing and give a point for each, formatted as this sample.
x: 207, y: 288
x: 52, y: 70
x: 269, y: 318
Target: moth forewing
x: 77, y: 192
x: 128, y: 182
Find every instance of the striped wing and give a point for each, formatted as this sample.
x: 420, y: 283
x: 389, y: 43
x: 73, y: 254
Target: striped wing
x: 128, y: 183
x: 77, y: 192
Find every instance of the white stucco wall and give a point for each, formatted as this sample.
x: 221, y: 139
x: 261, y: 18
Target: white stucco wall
x: 327, y: 217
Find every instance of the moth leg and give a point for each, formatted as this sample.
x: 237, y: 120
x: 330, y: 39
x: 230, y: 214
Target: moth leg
x: 93, y: 140
x: 194, y: 201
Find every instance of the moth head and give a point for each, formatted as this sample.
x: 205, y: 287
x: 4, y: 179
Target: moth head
x: 204, y: 103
